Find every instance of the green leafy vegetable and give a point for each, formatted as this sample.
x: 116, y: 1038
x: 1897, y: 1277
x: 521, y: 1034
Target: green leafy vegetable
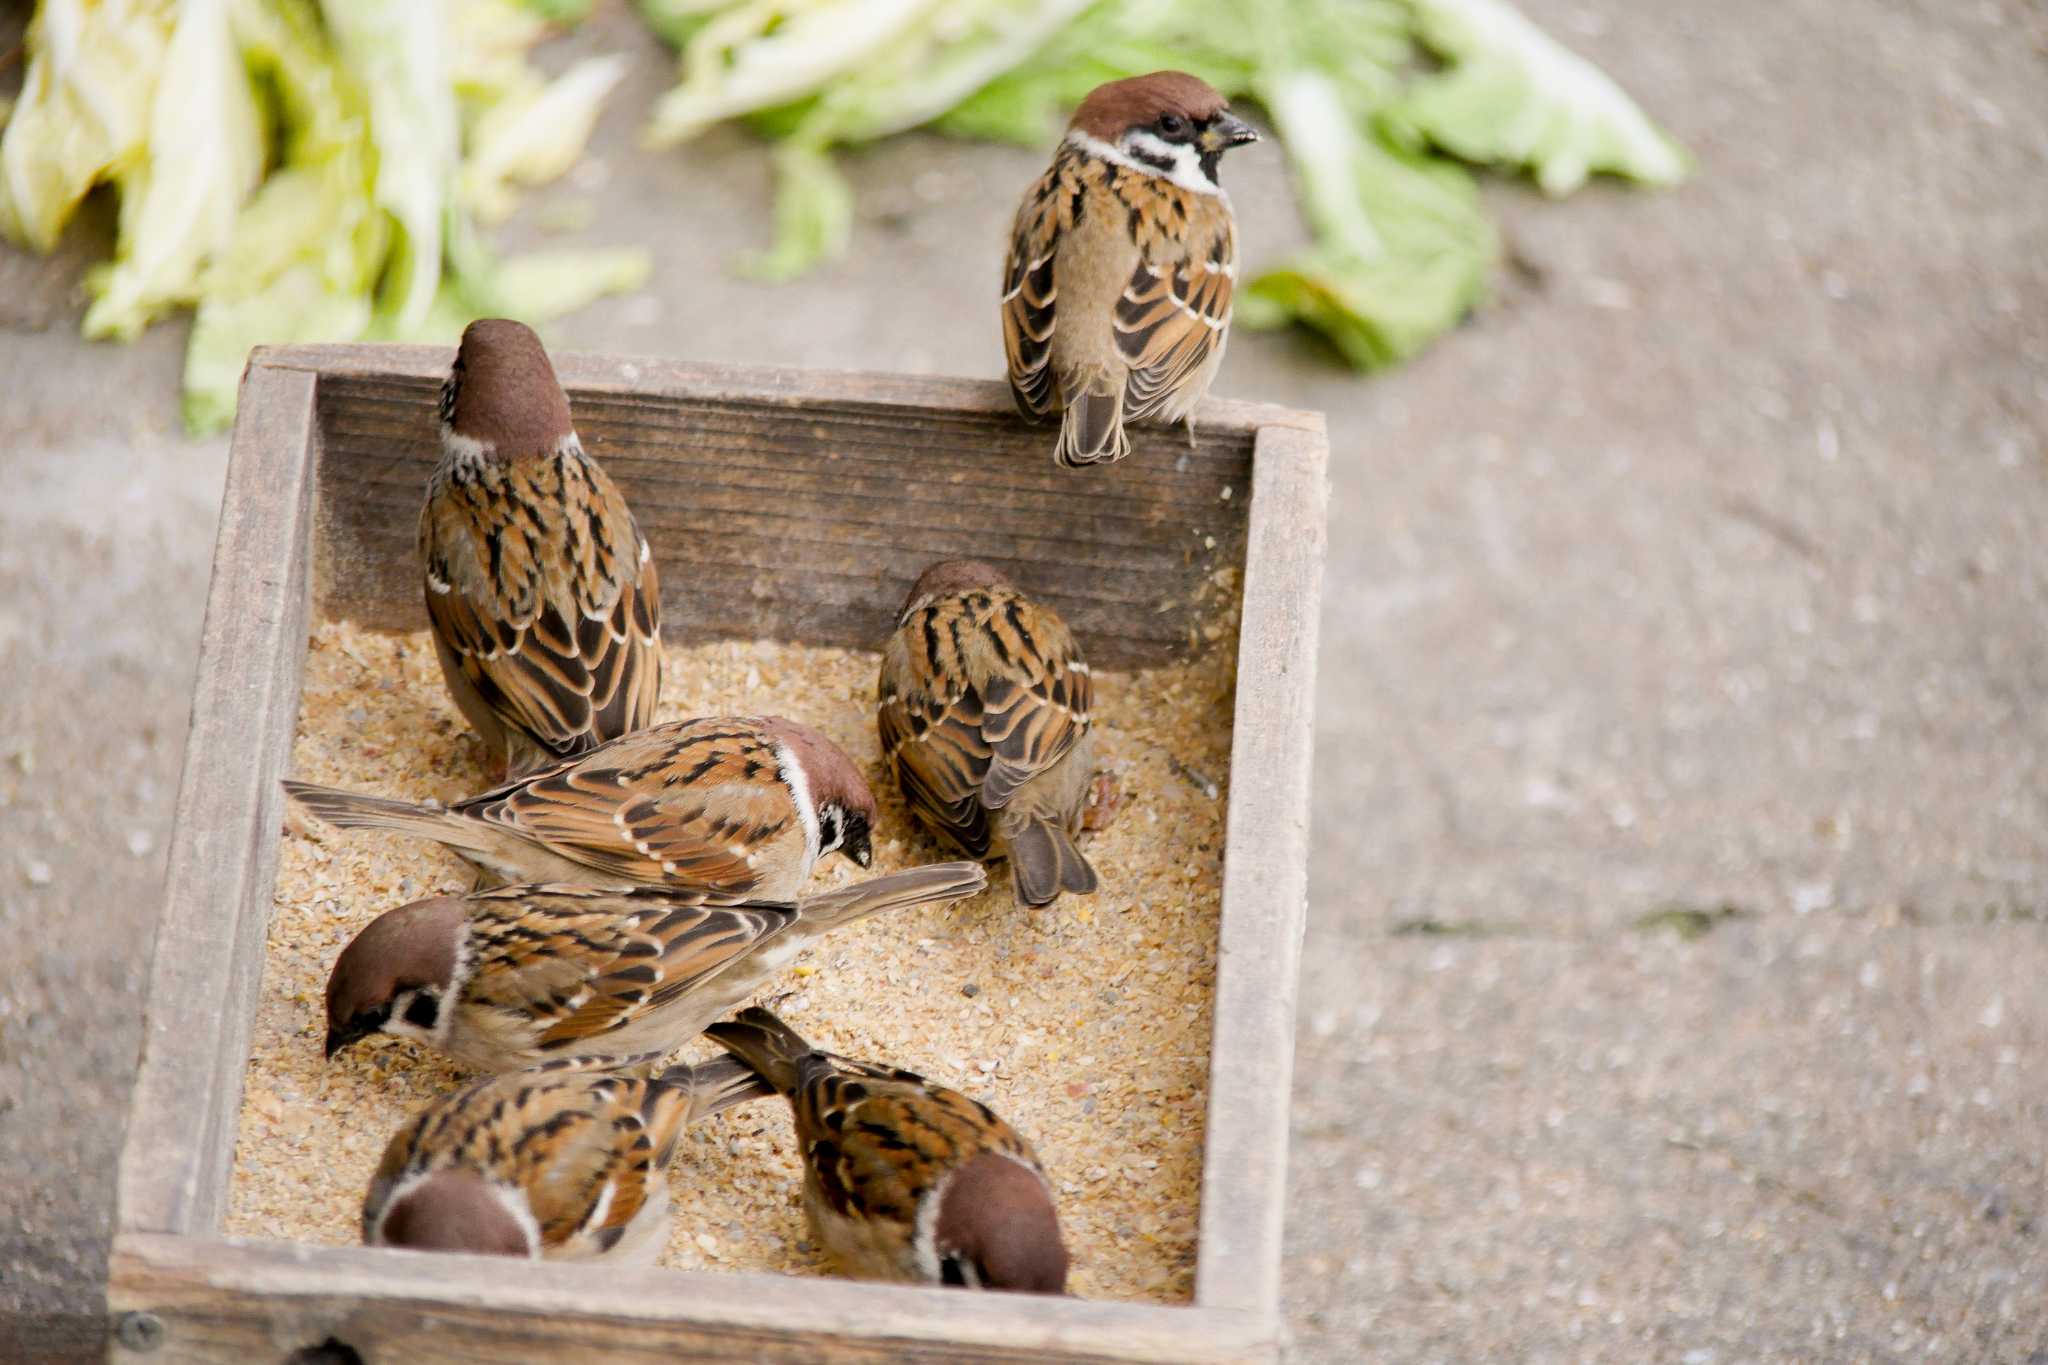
x: 202, y: 156
x: 1402, y: 249
x: 674, y: 21
x: 529, y: 138
x: 1511, y: 96
x: 84, y: 108
x: 398, y: 52
x: 384, y: 126
x: 763, y: 53
x: 564, y: 12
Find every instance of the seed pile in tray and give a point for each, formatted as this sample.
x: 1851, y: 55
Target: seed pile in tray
x: 1085, y: 1024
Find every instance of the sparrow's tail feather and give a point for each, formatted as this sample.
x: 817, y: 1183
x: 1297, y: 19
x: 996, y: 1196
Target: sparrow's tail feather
x: 717, y: 1085
x: 770, y: 1048
x: 929, y: 885
x: 1044, y: 861
x: 353, y: 810
x: 1092, y: 432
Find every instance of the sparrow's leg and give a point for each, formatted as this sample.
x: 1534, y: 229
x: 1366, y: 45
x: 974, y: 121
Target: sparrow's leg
x: 1188, y: 422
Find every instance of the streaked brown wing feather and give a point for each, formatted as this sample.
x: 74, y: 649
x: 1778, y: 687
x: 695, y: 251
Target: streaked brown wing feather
x: 578, y: 1134
x: 606, y: 1133
x: 1173, y: 314
x: 660, y: 957
x: 538, y: 582
x: 1030, y: 293
x: 677, y: 804
x: 873, y: 1136
x: 1035, y: 704
x: 934, y: 745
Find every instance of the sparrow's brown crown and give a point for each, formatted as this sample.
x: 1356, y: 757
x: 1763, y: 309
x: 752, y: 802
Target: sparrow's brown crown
x: 996, y: 1216
x: 949, y: 578
x: 455, y: 1211
x: 1114, y: 109
x: 502, y: 390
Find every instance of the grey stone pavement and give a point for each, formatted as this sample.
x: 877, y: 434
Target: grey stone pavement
x: 1674, y: 988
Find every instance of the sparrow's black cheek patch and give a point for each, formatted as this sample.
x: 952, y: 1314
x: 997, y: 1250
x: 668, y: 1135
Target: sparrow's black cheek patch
x: 424, y: 1011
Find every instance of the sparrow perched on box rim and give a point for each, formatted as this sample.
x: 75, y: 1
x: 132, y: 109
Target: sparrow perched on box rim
x: 566, y: 1160
x: 904, y: 1179
x: 1117, y: 289
x: 740, y: 808
x: 983, y: 714
x: 512, y: 977
x: 540, y: 589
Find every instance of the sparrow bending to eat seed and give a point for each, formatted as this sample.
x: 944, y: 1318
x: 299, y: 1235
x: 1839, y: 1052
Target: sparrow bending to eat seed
x: 1117, y: 289
x: 512, y: 977
x: 566, y: 1160
x: 903, y: 1179
x: 983, y: 717
x: 540, y: 588
x: 741, y: 808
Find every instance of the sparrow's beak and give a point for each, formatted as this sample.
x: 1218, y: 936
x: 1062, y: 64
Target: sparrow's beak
x: 1225, y: 131
x: 340, y: 1036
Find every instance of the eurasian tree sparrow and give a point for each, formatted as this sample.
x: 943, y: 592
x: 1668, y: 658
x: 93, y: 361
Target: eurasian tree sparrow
x: 519, y: 975
x: 740, y: 808
x: 1116, y: 293
x: 903, y: 1179
x: 983, y: 714
x: 540, y: 588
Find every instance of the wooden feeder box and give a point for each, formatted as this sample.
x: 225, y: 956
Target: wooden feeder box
x: 781, y: 504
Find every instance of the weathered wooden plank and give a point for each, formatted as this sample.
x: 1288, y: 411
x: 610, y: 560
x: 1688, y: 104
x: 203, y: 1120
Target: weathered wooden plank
x: 223, y: 855
x: 810, y: 522
x: 191, y: 1300
x: 652, y: 377
x: 1265, y: 875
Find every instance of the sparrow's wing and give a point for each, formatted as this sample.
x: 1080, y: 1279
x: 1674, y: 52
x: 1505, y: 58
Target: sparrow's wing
x: 930, y: 723
x: 589, y: 1150
x: 1029, y: 293
x: 543, y: 589
x: 876, y: 1139
x: 582, y: 961
x: 1174, y: 313
x: 1035, y: 692
x: 694, y: 804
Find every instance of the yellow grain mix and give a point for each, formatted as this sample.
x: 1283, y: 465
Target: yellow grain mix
x: 1086, y: 1024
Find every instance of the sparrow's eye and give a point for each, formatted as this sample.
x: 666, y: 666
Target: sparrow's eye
x: 1173, y: 126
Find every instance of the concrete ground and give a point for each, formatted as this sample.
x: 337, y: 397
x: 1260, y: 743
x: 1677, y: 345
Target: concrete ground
x: 1673, y: 986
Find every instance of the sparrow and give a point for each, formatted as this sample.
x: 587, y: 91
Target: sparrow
x: 983, y: 714
x: 567, y: 1160
x: 1116, y: 293
x: 540, y: 589
x: 512, y: 977
x: 740, y: 808
x: 903, y: 1179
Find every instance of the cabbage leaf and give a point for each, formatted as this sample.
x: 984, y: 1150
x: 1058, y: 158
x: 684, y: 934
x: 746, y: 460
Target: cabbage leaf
x: 1512, y: 96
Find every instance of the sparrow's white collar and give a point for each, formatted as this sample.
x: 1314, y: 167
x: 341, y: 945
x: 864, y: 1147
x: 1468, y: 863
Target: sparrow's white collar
x: 459, y: 451
x: 1187, y: 162
x: 792, y: 774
